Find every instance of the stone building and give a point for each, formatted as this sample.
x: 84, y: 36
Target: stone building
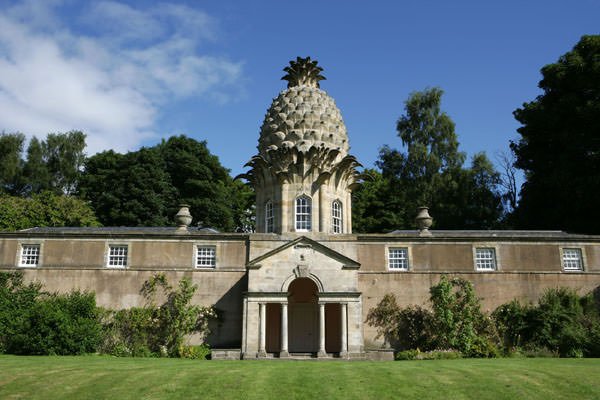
x: 303, y: 283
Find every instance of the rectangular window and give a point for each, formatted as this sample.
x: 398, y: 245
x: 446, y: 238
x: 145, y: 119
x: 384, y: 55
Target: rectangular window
x: 485, y: 259
x: 206, y: 257
x: 303, y: 214
x: 398, y: 259
x: 269, y: 218
x: 572, y: 260
x: 30, y: 255
x: 336, y: 216
x: 117, y: 256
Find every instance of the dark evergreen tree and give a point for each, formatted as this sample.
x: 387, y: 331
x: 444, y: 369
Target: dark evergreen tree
x: 559, y: 148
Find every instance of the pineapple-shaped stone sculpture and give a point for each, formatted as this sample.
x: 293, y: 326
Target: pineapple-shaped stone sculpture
x: 303, y: 116
x: 302, y: 152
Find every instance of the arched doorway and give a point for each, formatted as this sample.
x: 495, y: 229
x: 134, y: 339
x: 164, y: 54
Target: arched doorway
x: 303, y: 316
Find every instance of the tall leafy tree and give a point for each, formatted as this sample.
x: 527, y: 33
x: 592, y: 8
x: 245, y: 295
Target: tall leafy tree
x: 559, y: 148
x: 36, y: 176
x: 64, y: 155
x: 428, y: 172
x: 11, y: 164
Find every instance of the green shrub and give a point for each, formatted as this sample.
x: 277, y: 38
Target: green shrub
x: 201, y: 352
x: 417, y: 354
x: 562, y: 323
x: 58, y: 324
x: 157, y: 330
x: 458, y: 322
x: 16, y: 301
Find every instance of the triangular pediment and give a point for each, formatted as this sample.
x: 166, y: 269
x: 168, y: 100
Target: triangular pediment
x: 303, y: 241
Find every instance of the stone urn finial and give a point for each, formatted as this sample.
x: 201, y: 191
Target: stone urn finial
x: 183, y: 218
x: 423, y: 221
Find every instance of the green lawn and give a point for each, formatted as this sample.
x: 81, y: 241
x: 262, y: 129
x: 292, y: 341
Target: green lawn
x: 97, y: 377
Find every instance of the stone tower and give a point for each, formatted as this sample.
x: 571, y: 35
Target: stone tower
x: 303, y: 175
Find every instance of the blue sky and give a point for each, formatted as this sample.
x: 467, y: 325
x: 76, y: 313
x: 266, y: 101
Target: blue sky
x: 129, y: 73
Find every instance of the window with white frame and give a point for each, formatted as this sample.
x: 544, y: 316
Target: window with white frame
x: 336, y: 216
x: 269, y: 217
x: 117, y: 255
x: 485, y: 259
x: 303, y: 213
x: 30, y: 255
x: 206, y: 257
x: 572, y: 260
x: 398, y: 258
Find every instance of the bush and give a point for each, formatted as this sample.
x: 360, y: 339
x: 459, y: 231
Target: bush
x: 58, y: 324
x: 201, y: 352
x: 158, y: 330
x: 16, y: 301
x: 417, y: 354
x: 562, y: 323
x: 458, y: 323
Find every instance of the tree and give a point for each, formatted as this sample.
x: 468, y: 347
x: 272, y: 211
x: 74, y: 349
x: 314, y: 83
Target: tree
x: 130, y: 189
x: 144, y: 187
x: 202, y: 182
x: 559, y: 148
x: 429, y: 173
x: 11, y: 147
x: 64, y: 155
x: 35, y: 171
x: 44, y: 209
x: 374, y: 207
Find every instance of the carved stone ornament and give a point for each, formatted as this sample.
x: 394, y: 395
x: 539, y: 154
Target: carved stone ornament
x: 423, y: 221
x: 183, y: 218
x: 302, y: 271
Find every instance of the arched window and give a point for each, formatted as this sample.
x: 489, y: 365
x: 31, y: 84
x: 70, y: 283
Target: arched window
x: 336, y: 216
x: 303, y: 213
x: 269, y: 217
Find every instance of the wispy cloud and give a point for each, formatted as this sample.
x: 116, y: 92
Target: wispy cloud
x: 110, y: 76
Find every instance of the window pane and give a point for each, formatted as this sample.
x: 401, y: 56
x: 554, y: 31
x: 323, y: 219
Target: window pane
x: 485, y: 259
x: 398, y: 258
x: 303, y: 213
x: 572, y: 260
x: 336, y: 216
x: 117, y: 256
x: 30, y: 255
x: 206, y: 257
x: 269, y: 218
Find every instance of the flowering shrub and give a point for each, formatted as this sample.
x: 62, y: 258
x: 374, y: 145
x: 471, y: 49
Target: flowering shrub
x: 158, y: 330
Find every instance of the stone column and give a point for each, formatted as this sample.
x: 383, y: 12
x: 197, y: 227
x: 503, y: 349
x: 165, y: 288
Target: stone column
x: 284, y: 331
x: 344, y: 339
x: 321, y: 352
x: 262, y: 333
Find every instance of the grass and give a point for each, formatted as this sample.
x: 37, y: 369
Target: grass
x: 98, y: 377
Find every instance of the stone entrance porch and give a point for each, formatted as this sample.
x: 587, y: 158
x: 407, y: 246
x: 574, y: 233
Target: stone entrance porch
x: 302, y: 301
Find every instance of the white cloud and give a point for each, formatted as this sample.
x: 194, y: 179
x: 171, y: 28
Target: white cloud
x: 109, y: 83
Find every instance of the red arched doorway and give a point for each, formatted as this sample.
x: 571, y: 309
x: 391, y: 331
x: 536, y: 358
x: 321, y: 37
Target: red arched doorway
x: 303, y: 315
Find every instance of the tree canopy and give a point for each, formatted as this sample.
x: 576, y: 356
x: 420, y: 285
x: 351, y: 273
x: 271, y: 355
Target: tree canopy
x: 429, y: 173
x: 144, y: 187
x: 44, y: 209
x: 53, y: 164
x: 559, y: 148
